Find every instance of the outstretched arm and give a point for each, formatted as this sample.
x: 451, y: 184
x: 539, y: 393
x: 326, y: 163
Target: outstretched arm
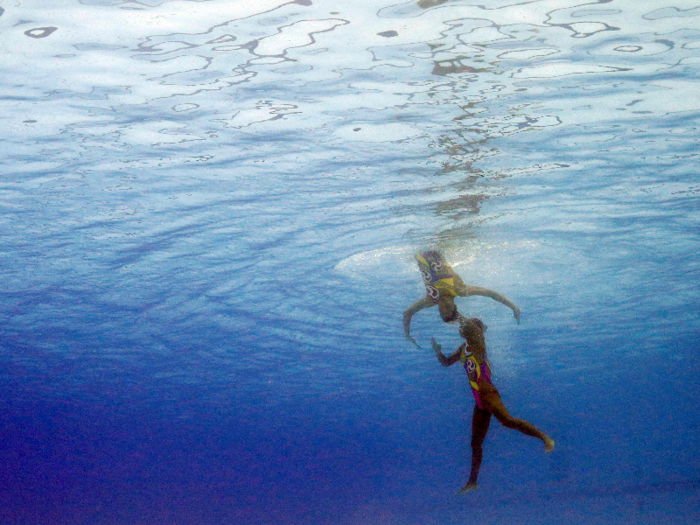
x: 408, y: 314
x: 464, y: 290
x: 449, y: 360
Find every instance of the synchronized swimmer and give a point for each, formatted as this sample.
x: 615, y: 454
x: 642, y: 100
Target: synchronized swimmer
x: 472, y: 354
x: 442, y: 285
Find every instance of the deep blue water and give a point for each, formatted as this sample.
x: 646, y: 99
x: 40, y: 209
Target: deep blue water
x: 209, y: 213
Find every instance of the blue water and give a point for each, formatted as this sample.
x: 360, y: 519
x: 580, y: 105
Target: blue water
x: 209, y: 212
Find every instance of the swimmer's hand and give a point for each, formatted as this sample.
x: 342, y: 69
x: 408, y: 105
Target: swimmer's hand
x: 516, y: 313
x: 412, y: 340
x: 445, y: 360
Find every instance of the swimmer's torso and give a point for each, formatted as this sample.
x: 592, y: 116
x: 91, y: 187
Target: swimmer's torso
x: 478, y: 371
x: 438, y: 276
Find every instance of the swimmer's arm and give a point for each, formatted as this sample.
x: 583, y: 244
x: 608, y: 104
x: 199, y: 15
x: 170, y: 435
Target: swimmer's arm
x: 445, y: 360
x: 464, y: 290
x: 408, y: 314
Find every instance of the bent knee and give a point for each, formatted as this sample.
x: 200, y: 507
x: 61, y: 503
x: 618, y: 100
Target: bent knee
x: 508, y: 421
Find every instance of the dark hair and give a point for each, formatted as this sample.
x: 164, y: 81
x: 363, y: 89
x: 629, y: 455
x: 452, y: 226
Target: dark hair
x: 469, y: 325
x: 435, y: 254
x: 479, y: 323
x: 452, y: 316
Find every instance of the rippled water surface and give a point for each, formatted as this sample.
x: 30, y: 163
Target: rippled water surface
x: 209, y: 213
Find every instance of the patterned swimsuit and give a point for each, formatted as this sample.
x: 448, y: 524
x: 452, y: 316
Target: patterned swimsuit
x: 438, y: 276
x: 477, y: 373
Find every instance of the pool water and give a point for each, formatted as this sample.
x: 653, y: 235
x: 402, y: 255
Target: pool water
x: 210, y: 210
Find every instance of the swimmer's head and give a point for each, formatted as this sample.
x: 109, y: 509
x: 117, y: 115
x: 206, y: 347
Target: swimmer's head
x: 435, y: 255
x: 448, y: 308
x: 473, y: 331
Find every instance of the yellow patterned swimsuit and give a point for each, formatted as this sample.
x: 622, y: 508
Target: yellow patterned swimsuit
x: 477, y: 373
x: 438, y: 276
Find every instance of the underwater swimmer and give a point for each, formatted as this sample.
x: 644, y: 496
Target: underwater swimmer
x: 442, y: 285
x: 472, y: 354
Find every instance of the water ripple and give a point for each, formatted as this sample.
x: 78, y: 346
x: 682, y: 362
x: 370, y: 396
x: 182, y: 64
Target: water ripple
x: 285, y: 136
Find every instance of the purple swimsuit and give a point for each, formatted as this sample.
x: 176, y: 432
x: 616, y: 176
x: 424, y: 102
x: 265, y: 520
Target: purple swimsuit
x: 476, y: 373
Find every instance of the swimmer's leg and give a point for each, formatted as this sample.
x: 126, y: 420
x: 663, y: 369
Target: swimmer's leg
x: 492, y: 402
x: 480, y: 426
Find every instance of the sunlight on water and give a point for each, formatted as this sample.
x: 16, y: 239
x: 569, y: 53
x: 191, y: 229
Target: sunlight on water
x: 210, y: 215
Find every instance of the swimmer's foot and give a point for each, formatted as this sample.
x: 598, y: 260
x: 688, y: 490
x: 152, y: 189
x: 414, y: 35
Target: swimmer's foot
x: 548, y: 444
x: 469, y: 487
